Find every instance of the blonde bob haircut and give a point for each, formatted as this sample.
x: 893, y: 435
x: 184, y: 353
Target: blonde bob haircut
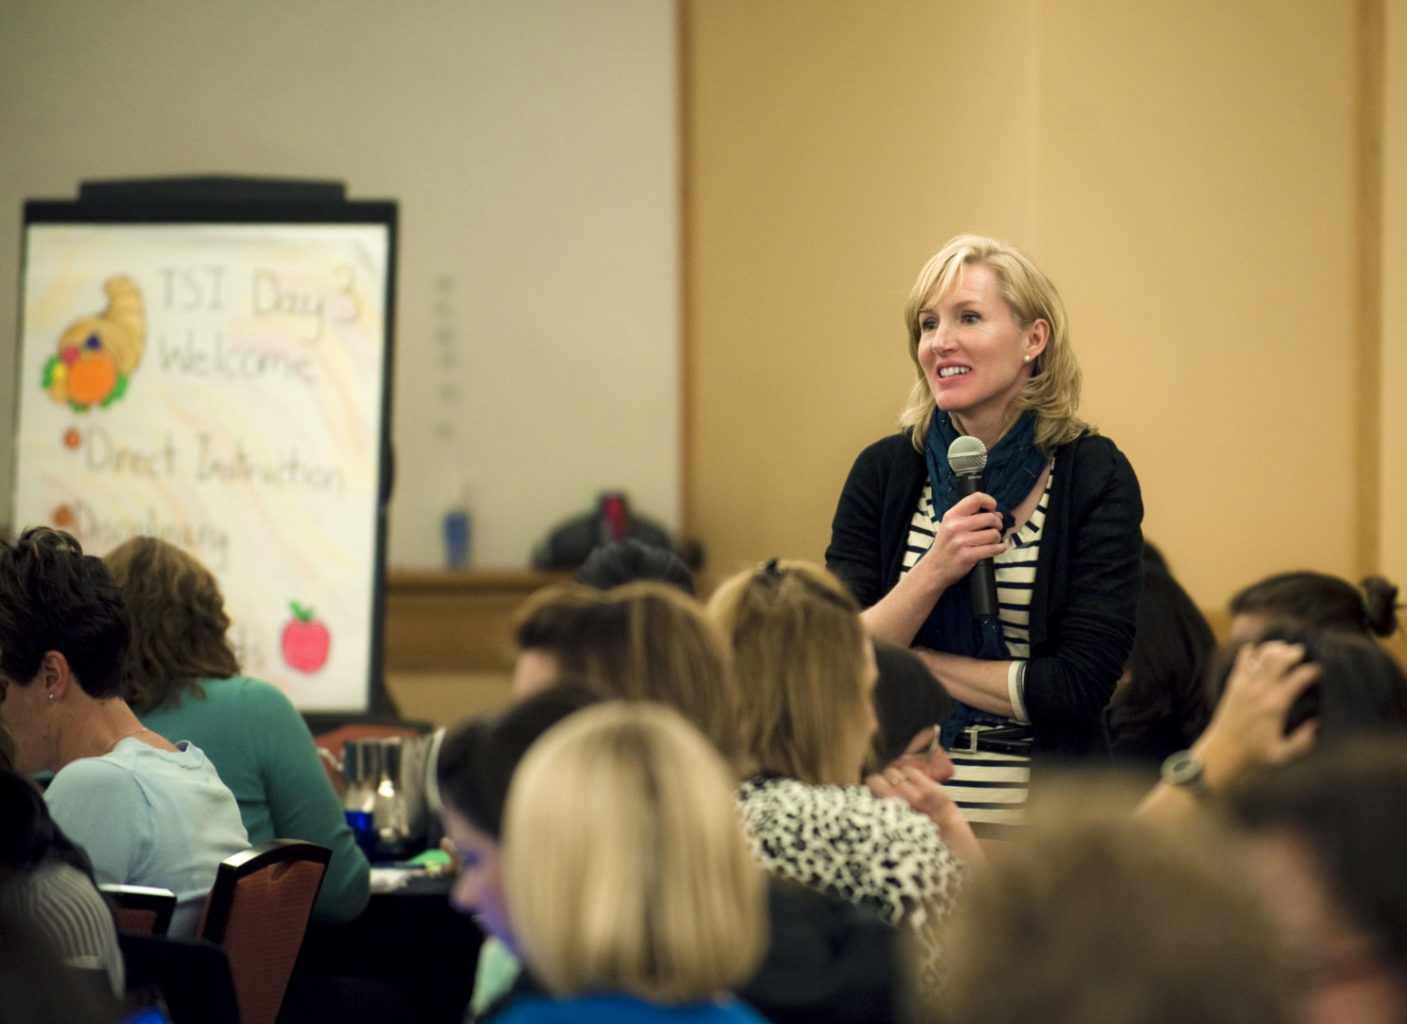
x: 639, y: 641
x: 1053, y: 390
x: 625, y: 865
x: 799, y: 656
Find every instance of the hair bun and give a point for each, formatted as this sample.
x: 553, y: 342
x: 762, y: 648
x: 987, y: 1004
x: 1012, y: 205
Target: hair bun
x: 1379, y: 605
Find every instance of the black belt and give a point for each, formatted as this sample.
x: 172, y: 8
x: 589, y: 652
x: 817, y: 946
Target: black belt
x: 994, y: 739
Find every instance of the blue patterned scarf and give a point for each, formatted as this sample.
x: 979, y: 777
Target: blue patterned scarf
x: 1013, y: 466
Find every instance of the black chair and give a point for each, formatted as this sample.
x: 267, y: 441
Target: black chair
x: 140, y: 909
x: 258, y: 911
x: 189, y: 978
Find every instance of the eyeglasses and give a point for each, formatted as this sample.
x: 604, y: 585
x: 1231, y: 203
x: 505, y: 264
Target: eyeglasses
x: 928, y: 751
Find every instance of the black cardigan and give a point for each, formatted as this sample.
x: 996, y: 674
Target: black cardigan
x: 1088, y: 574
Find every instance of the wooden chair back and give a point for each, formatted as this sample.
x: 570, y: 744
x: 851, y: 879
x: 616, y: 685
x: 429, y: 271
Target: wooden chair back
x: 258, y: 911
x: 140, y: 909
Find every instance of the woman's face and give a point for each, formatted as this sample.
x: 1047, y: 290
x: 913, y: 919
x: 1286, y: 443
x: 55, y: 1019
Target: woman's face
x: 974, y: 355
x: 925, y: 754
x: 478, y: 888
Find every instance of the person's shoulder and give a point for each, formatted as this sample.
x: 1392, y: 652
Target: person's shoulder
x: 794, y: 798
x: 783, y: 792
x: 86, y: 780
x: 622, y: 1008
x: 883, y: 464
x: 1093, y: 454
x: 262, y: 705
x: 269, y: 696
x: 530, y: 1009
x: 64, y: 888
x: 735, y: 1011
x: 889, y: 449
x: 85, y: 769
x: 245, y: 688
x: 891, y: 817
x: 776, y: 805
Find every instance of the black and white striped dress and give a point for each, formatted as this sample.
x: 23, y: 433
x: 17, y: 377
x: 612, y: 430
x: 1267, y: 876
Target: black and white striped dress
x: 991, y: 788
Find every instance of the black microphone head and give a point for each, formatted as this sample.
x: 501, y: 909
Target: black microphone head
x: 967, y: 455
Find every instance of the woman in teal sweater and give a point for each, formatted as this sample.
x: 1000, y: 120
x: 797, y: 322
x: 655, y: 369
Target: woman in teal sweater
x: 182, y: 679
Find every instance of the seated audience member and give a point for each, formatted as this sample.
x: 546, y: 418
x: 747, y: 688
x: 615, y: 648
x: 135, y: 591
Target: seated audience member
x: 145, y: 811
x: 1101, y: 919
x: 640, y: 641
x: 1296, y: 691
x: 1360, y: 687
x: 910, y: 706
x: 183, y: 680
x: 1160, y: 705
x: 475, y: 766
x: 827, y: 958
x: 35, y: 985
x: 806, y: 673
x: 629, y: 561
x: 48, y: 881
x: 1317, y: 600
x: 1326, y: 836
x: 628, y: 881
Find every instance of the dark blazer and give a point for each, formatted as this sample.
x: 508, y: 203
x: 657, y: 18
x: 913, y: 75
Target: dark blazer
x: 1088, y: 574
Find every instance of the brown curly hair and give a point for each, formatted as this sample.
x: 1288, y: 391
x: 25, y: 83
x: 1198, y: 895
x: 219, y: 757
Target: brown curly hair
x: 178, y: 623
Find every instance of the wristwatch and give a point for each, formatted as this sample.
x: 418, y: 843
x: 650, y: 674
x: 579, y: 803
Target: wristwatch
x: 1185, y: 769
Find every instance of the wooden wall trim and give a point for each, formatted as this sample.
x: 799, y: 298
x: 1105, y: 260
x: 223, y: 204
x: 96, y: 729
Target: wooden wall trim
x: 455, y: 621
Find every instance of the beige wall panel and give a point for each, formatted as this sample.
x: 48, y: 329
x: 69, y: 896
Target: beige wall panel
x: 830, y: 148
x: 1393, y: 475
x: 1195, y: 174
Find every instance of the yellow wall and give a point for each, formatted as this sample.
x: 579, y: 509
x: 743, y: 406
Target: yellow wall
x: 830, y: 147
x: 1393, y: 465
x: 1187, y: 173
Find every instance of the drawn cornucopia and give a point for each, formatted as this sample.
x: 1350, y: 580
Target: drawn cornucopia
x: 97, y: 353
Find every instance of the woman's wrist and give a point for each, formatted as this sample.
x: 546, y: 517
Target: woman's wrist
x: 928, y: 577
x: 1221, y: 758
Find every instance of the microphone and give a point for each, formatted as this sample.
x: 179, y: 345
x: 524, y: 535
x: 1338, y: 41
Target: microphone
x: 968, y: 458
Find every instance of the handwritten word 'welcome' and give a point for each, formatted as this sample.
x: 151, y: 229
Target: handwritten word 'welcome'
x: 201, y: 357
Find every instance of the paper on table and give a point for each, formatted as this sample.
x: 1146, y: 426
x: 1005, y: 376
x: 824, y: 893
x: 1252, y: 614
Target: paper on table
x: 391, y: 879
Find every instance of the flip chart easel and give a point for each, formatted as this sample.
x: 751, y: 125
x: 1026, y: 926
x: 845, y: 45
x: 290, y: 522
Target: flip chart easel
x: 209, y: 361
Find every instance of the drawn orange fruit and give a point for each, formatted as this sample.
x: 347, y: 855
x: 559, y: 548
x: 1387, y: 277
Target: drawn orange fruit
x: 91, y: 377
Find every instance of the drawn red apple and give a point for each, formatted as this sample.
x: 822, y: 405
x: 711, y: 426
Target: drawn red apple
x: 305, y: 640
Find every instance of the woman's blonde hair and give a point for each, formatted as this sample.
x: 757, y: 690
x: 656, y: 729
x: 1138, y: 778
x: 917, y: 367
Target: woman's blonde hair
x: 799, y: 656
x: 639, y: 641
x: 625, y: 865
x: 1053, y: 390
x: 179, y: 624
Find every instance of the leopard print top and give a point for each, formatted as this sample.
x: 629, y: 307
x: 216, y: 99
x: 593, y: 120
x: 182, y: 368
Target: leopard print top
x: 850, y: 843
